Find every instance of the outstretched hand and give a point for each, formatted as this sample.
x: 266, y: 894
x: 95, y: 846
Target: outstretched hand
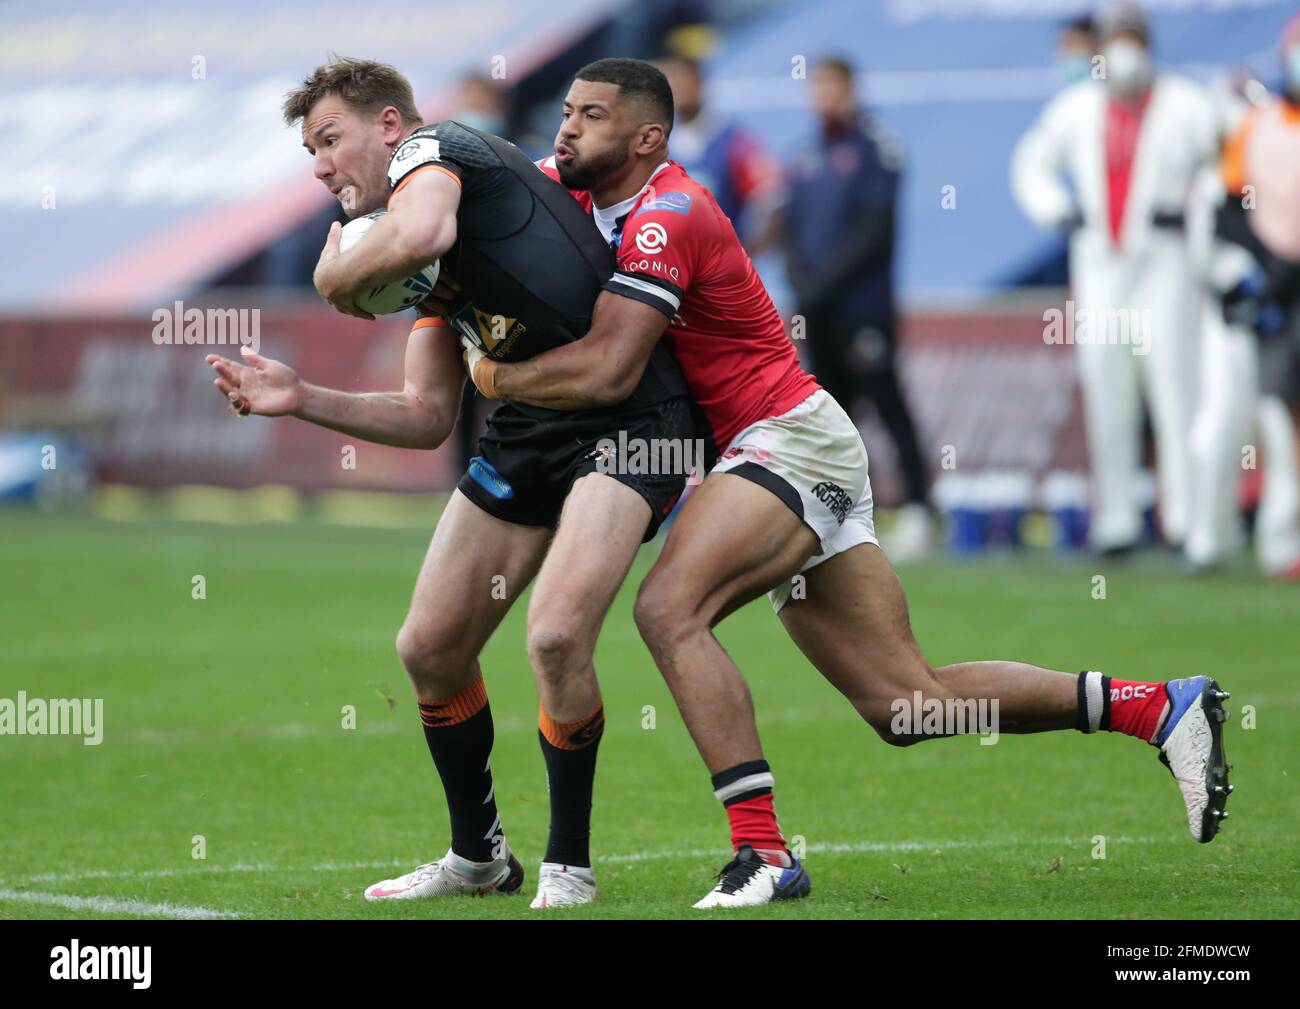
x: 257, y: 385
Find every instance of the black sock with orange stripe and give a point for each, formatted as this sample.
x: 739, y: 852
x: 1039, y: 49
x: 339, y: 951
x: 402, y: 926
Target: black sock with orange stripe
x: 569, y: 749
x: 459, y: 733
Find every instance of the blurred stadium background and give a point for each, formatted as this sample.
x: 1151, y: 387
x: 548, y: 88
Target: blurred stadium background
x: 148, y: 164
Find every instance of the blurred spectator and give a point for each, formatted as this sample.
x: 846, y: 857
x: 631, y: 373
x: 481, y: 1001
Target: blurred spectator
x: 837, y: 228
x: 1231, y: 414
x: 1073, y: 61
x: 638, y: 30
x: 722, y: 156
x: 1076, y: 45
x: 1130, y: 146
x: 1229, y: 363
x: 481, y: 104
x: 1261, y: 176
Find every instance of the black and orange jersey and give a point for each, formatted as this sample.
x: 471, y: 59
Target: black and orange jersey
x: 530, y: 261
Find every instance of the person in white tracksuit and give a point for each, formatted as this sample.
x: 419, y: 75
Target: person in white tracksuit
x: 1232, y: 414
x: 1114, y: 159
x: 1222, y: 429
x: 1254, y: 268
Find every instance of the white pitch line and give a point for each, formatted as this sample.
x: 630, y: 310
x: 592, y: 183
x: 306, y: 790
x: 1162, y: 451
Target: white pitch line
x: 331, y: 727
x: 293, y: 730
x: 107, y: 905
x: 72, y: 877
x: 859, y: 847
x: 68, y: 877
x: 855, y: 847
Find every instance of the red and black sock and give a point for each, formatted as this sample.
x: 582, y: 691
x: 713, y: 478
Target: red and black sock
x: 1128, y: 706
x: 459, y: 733
x: 569, y: 749
x: 746, y: 792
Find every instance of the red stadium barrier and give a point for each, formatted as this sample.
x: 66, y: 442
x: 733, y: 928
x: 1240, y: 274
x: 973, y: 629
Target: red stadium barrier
x: 154, y: 418
x: 986, y: 393
x: 982, y: 382
x: 991, y: 374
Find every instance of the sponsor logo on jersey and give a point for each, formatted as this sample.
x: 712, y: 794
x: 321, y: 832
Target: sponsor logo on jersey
x: 412, y: 147
x: 648, y: 266
x: 494, y: 334
x: 485, y: 475
x: 652, y: 238
x: 677, y: 203
x: 420, y: 149
x: 494, y: 329
x: 834, y: 497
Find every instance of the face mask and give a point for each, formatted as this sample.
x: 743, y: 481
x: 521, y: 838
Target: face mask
x: 1073, y: 68
x: 1128, y: 67
x: 483, y: 121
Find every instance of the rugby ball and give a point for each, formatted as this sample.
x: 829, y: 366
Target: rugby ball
x: 387, y: 298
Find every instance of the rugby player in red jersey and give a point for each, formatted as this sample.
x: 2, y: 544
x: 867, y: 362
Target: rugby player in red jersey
x: 788, y: 497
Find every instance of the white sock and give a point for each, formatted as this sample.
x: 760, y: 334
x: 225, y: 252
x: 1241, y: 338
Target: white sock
x: 476, y: 871
x: 581, y: 871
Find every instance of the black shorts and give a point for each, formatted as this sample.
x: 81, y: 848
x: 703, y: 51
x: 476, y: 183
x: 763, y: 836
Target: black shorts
x: 527, y: 463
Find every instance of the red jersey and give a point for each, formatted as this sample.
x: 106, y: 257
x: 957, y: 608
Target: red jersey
x: 677, y: 252
x: 1123, y: 128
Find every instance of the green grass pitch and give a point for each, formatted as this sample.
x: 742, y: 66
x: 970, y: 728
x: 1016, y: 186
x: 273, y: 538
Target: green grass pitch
x: 223, y: 718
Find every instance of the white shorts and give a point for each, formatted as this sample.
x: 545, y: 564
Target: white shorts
x: 813, y: 459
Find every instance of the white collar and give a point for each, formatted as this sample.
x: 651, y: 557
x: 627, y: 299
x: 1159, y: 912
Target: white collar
x: 607, y: 218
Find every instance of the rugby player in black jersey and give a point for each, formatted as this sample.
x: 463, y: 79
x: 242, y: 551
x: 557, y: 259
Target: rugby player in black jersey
x: 543, y: 498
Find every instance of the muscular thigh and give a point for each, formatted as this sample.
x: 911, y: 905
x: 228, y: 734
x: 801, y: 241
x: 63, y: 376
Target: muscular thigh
x: 732, y: 541
x: 852, y: 624
x: 598, y: 535
x: 475, y: 568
